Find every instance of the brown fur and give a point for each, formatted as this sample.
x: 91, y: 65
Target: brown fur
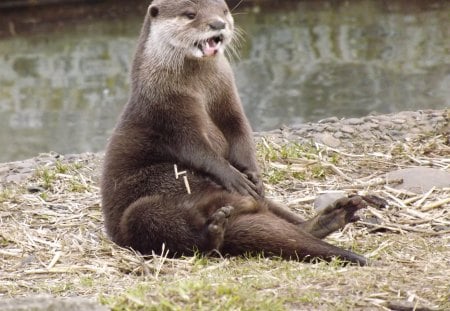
x: 185, y: 110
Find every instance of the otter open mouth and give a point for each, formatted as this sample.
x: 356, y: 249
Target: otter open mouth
x: 210, y: 46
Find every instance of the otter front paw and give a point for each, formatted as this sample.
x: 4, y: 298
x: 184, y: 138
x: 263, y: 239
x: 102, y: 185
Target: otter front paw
x: 255, y: 178
x: 235, y: 181
x: 335, y: 216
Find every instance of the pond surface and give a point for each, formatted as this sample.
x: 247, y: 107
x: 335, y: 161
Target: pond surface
x: 300, y: 61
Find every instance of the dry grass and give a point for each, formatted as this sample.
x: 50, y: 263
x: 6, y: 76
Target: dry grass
x: 52, y: 240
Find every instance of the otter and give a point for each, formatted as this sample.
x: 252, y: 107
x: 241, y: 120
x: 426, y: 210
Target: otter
x: 180, y: 171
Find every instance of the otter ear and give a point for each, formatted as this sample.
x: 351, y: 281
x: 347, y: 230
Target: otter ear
x: 153, y: 11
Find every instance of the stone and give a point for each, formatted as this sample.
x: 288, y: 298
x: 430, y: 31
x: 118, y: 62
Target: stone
x: 427, y: 129
x: 407, y: 305
x: 415, y: 130
x: 46, y: 303
x: 396, y: 133
x: 371, y: 119
x: 420, y: 179
x: 330, y: 128
x: 386, y: 124
x: 329, y: 140
x: 365, y: 126
x: 338, y: 134
x: 354, y: 121
x: 329, y: 120
x: 383, y: 118
x: 319, y: 128
x: 398, y: 121
x: 16, y: 178
x: 367, y: 135
x: 326, y: 198
x: 3, y: 170
x: 347, y: 129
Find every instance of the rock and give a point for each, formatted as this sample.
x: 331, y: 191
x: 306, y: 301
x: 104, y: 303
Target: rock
x: 374, y: 125
x: 387, y: 124
x: 441, y: 228
x: 420, y: 179
x: 319, y: 128
x: 46, y: 303
x: 428, y: 129
x: 373, y: 220
x: 329, y: 120
x: 354, y: 121
x: 4, y: 169
x: 407, y: 306
x: 347, y: 129
x: 329, y: 140
x: 367, y: 135
x: 395, y: 133
x: 16, y: 178
x: 398, y: 121
x: 371, y: 119
x: 338, y: 134
x: 326, y: 198
x: 365, y: 127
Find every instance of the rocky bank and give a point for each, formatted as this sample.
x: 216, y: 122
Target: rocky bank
x: 332, y: 132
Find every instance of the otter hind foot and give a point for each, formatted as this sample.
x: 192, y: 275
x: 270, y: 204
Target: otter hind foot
x: 335, y: 216
x: 215, y: 230
x: 345, y: 209
x: 219, y: 219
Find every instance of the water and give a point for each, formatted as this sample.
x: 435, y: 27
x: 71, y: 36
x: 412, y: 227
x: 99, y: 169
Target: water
x: 300, y: 61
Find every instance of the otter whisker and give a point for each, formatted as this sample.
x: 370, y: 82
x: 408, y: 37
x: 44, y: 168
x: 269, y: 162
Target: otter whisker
x: 236, y: 6
x: 239, y: 13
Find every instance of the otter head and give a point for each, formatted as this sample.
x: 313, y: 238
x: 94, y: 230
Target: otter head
x: 194, y: 29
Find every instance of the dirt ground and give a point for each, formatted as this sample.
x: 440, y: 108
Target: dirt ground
x: 53, y: 242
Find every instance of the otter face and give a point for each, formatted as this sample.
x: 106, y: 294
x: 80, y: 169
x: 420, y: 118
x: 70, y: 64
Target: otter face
x: 193, y: 28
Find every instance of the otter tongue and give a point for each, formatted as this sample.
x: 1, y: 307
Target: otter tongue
x: 210, y: 47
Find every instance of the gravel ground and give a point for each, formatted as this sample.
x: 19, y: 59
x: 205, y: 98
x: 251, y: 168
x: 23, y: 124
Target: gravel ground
x: 335, y: 132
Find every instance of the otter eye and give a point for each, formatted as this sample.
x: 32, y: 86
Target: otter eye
x: 154, y: 11
x: 190, y: 15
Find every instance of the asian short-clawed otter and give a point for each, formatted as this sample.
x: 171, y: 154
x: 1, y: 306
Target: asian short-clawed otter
x: 180, y: 168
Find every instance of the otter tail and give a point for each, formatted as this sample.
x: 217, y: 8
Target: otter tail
x: 271, y: 235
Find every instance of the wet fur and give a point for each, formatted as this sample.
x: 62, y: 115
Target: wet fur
x: 186, y: 111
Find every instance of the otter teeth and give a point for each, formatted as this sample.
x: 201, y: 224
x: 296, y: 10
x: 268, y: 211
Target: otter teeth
x: 210, y: 46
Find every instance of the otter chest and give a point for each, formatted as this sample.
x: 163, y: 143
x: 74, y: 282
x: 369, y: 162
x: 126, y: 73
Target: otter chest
x: 214, y: 135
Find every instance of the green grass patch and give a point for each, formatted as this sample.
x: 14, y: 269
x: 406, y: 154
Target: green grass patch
x: 217, y: 284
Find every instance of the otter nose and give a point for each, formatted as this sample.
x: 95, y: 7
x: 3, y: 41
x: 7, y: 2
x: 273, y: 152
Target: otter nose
x: 217, y: 24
